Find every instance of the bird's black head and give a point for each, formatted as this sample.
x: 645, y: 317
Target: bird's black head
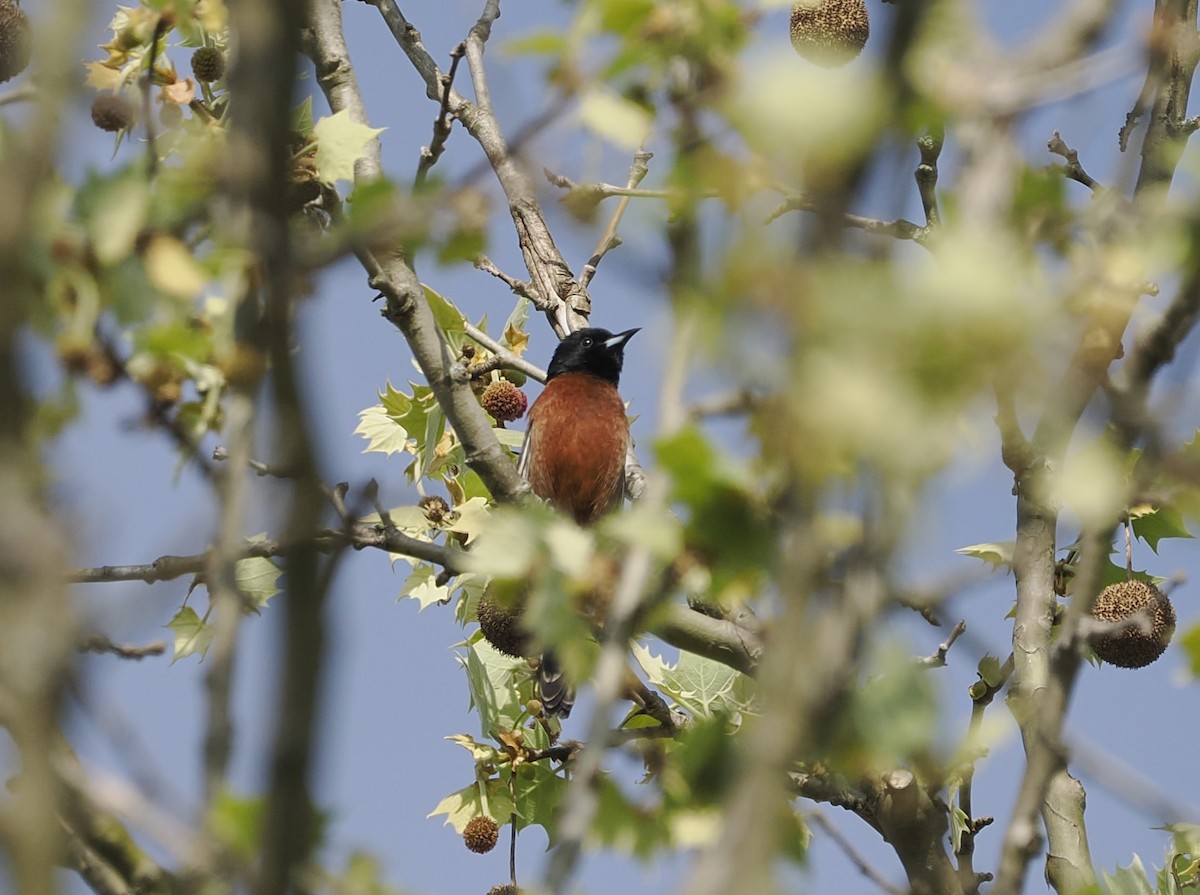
x: 591, y: 350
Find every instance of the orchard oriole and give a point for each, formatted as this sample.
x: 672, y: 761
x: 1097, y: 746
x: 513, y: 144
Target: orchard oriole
x: 574, y: 452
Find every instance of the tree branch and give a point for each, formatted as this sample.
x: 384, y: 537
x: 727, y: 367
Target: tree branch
x: 407, y: 308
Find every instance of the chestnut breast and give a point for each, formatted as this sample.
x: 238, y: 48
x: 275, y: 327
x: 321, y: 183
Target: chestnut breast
x: 576, y: 446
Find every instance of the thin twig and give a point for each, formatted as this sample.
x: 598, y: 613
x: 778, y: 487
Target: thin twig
x: 898, y: 229
x: 99, y: 643
x: 517, y: 287
x: 21, y: 94
x: 1073, y: 169
x: 938, y: 659
x: 167, y: 568
x: 930, y: 147
x: 857, y: 858
x: 608, y: 239
x: 442, y: 124
x: 506, y: 355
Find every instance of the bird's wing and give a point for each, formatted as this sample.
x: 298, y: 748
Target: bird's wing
x: 527, y: 447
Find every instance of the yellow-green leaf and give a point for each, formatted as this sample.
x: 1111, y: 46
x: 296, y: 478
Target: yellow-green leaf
x: 341, y: 141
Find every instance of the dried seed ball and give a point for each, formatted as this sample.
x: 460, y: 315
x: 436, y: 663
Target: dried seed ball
x: 481, y: 834
x: 504, y: 401
x: 1133, y: 646
x: 208, y: 64
x: 16, y: 44
x: 830, y: 32
x: 111, y: 113
x: 501, y: 626
x: 504, y: 889
x: 436, y: 510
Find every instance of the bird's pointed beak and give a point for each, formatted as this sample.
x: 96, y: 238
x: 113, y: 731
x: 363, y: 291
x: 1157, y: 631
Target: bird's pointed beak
x: 619, y: 340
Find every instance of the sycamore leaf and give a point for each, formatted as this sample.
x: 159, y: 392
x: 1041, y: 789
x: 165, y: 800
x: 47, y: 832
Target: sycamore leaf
x: 448, y: 317
x: 459, y: 807
x: 341, y: 141
x: 700, y: 685
x: 1152, y: 524
x: 422, y: 586
x: 171, y: 268
x: 302, y: 117
x: 470, y: 518
x: 192, y: 635
x: 500, y: 686
x: 103, y: 77
x: 996, y: 554
x: 1131, y: 880
x: 480, y: 752
x: 257, y: 577
x: 540, y: 792
x: 117, y: 210
x: 620, y: 121
x: 237, y: 822
x: 1191, y: 645
x: 383, y: 434
x: 515, y: 336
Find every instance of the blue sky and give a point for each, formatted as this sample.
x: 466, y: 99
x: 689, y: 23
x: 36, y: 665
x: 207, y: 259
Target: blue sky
x: 394, y: 689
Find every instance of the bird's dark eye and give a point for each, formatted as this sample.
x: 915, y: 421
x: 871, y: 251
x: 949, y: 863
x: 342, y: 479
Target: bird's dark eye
x: 587, y: 342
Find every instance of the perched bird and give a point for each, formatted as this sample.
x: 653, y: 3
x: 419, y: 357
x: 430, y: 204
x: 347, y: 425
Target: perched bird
x: 575, y: 446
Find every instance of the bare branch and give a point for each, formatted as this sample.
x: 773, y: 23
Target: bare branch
x: 857, y: 858
x: 1073, y: 169
x: 167, y: 568
x: 608, y: 239
x: 407, y: 308
x: 99, y: 643
x: 938, y: 659
x: 441, y: 126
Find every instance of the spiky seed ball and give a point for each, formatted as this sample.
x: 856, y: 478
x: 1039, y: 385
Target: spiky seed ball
x: 481, y: 834
x: 504, y: 889
x: 436, y: 510
x: 111, y: 113
x: 504, y: 401
x: 501, y: 625
x: 1133, y: 647
x: 830, y: 32
x: 16, y: 43
x: 208, y: 64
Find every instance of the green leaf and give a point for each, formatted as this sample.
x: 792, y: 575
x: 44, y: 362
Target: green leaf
x: 302, y: 117
x: 621, y: 824
x: 702, y: 686
x: 237, y: 823
x: 487, y: 798
x: 609, y: 115
x: 500, y: 686
x: 449, y: 318
x: 421, y: 585
x: 192, y: 635
x: 383, y: 434
x: 341, y: 142
x: 1152, y: 524
x: 543, y: 43
x: 114, y: 211
x: 995, y: 554
x: 540, y: 791
x: 257, y: 577
x: 1131, y: 880
x: 514, y: 335
x: 387, y: 425
x: 1190, y: 641
x: 470, y: 518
